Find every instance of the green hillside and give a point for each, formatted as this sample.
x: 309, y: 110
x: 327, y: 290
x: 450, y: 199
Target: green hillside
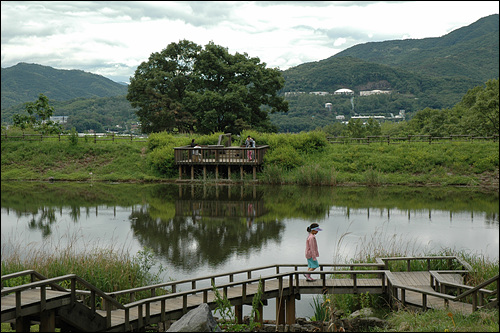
x: 24, y: 82
x: 470, y: 51
x: 426, y: 73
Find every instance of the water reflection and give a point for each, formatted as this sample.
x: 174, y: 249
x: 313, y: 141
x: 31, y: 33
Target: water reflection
x: 196, y: 228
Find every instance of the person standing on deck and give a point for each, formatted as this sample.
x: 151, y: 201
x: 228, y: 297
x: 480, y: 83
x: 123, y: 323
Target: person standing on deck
x: 312, y: 252
x: 249, y: 143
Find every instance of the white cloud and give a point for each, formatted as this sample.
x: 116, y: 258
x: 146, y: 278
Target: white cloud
x: 112, y: 38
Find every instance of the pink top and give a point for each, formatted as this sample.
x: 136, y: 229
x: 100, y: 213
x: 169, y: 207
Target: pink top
x: 311, y: 247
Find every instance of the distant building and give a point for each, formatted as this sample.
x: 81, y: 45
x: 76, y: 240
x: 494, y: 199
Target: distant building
x: 293, y: 93
x: 328, y: 106
x: 321, y: 93
x: 343, y: 91
x: 59, y: 119
x: 373, y: 92
x: 341, y: 117
x: 368, y: 117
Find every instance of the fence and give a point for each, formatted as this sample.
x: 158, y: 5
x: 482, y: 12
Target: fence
x: 411, y: 138
x: 94, y: 137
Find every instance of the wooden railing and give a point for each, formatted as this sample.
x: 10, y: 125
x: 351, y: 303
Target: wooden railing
x: 66, y: 137
x: 427, y: 259
x: 230, y: 277
x: 217, y: 154
x: 73, y: 291
x: 410, y: 138
x: 480, y: 297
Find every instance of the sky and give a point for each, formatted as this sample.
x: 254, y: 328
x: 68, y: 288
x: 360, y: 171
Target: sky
x: 112, y: 38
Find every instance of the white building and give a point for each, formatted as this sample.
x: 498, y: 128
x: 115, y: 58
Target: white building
x: 320, y: 93
x: 343, y: 91
x: 373, y: 92
x: 59, y: 119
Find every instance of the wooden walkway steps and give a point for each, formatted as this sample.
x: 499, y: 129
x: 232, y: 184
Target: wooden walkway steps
x: 66, y: 307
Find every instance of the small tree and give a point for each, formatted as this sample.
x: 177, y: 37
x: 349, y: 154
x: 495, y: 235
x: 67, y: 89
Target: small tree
x: 38, y: 117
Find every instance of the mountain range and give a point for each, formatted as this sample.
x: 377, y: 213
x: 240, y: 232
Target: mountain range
x: 429, y: 72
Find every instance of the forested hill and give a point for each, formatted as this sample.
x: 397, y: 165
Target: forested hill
x: 420, y: 73
x: 470, y: 51
x: 24, y: 82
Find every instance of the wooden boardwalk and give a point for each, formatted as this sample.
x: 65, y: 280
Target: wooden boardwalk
x: 35, y: 300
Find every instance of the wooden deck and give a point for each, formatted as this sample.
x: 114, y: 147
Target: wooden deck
x: 216, y: 156
x: 21, y: 304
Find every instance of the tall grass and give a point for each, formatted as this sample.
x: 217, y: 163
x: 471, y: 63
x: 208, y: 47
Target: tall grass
x: 108, y: 268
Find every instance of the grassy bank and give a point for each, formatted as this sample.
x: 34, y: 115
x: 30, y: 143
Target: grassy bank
x: 305, y: 159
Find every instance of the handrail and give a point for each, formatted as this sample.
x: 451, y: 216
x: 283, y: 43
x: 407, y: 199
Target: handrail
x: 74, y: 279
x: 295, y: 274
x: 232, y: 274
x: 479, y: 286
x: 436, y: 275
x: 32, y: 273
x: 446, y: 297
x: 63, y: 278
x: 428, y: 258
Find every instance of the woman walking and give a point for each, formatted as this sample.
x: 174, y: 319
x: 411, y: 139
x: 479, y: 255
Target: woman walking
x: 312, y: 252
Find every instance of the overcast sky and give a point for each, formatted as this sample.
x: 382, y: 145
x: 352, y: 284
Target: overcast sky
x: 112, y: 38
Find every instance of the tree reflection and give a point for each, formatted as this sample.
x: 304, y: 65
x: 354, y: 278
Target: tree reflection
x: 44, y: 220
x: 210, y: 225
x: 209, y: 241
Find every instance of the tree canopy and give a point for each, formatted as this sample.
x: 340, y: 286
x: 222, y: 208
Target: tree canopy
x: 188, y: 88
x: 38, y: 117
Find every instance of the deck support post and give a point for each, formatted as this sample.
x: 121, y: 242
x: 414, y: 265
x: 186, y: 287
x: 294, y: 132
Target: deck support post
x: 23, y: 324
x: 290, y: 309
x: 192, y: 172
x: 229, y: 172
x: 204, y: 172
x: 47, y: 321
x: 280, y: 310
x: 217, y: 172
x: 254, y: 173
x: 180, y: 172
x: 238, y: 313
x: 241, y: 172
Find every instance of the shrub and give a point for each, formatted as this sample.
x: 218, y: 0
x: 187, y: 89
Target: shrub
x: 286, y: 157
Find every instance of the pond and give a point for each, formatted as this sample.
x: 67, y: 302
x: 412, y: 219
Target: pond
x: 199, y: 230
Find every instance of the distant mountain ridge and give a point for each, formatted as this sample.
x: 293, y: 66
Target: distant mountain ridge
x: 24, y: 82
x: 429, y: 72
x: 470, y: 51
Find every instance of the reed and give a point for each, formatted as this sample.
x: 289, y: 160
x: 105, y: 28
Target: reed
x: 108, y: 268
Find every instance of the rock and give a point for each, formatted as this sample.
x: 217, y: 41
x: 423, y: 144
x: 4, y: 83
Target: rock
x: 199, y: 319
x: 364, y: 312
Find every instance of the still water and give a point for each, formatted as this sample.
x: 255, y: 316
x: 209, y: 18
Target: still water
x: 198, y: 230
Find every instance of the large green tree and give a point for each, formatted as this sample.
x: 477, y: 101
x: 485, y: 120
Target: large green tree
x: 188, y: 88
x: 478, y: 110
